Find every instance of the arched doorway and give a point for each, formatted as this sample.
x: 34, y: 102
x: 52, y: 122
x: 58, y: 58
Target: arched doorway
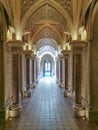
x: 47, y: 53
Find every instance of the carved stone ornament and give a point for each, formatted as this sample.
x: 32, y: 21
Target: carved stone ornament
x: 15, y: 45
x: 78, y: 45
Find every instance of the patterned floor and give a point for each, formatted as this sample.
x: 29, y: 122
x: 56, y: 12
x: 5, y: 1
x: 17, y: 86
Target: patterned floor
x: 47, y: 109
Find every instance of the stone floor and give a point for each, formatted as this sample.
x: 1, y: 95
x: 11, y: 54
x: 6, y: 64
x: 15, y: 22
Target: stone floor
x: 47, y: 109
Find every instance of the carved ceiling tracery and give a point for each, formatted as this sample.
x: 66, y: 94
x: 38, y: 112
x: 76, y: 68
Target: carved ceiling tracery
x: 46, y: 14
x: 47, y: 33
x: 66, y: 4
x: 59, y: 16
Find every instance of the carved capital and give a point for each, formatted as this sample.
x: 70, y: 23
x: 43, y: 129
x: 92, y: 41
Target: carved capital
x: 77, y: 46
x: 27, y: 53
x: 33, y: 56
x: 66, y: 53
x: 15, y: 45
x: 60, y: 56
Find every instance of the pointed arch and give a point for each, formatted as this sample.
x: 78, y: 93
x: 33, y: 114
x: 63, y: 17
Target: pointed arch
x: 44, y: 27
x: 39, y: 4
x: 85, y: 10
x: 91, y: 21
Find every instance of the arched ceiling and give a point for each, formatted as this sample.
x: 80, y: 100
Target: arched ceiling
x: 48, y: 22
x: 47, y: 42
x: 47, y: 50
x: 57, y: 17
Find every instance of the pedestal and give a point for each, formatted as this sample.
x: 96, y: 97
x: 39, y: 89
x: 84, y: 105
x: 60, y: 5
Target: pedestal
x: 14, y: 110
x: 27, y: 94
x: 79, y: 110
x: 67, y: 93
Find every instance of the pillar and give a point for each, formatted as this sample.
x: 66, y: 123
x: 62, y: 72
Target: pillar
x: 20, y: 77
x: 27, y: 53
x: 33, y: 70
x: 77, y: 48
x: 61, y: 85
x: 36, y: 71
x: 57, y: 70
x: 67, y: 92
x: 16, y: 50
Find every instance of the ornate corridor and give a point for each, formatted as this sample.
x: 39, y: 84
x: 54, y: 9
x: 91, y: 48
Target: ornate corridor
x: 47, y: 109
x: 56, y: 39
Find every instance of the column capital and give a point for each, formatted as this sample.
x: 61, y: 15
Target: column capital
x: 60, y: 56
x: 15, y: 45
x: 78, y: 45
x: 27, y: 53
x: 33, y: 56
x: 66, y: 53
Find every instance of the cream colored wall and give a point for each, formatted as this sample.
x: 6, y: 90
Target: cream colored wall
x: 94, y: 65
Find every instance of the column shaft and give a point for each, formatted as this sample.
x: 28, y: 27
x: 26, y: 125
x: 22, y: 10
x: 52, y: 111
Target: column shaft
x: 33, y: 70
x: 61, y: 85
x: 66, y: 72
x: 15, y: 64
x: 27, y: 73
x: 27, y: 93
x: 77, y: 77
x: 67, y: 92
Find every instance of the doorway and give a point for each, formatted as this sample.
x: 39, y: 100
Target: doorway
x: 47, y: 68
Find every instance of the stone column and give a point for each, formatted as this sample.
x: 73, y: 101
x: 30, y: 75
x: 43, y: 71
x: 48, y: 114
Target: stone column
x: 27, y: 53
x: 67, y: 92
x: 61, y: 85
x: 77, y: 48
x: 33, y: 70
x: 20, y: 78
x: 36, y: 71
x: 16, y: 49
x: 57, y: 70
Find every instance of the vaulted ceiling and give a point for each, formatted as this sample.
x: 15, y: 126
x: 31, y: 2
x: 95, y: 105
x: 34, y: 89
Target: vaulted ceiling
x: 46, y: 18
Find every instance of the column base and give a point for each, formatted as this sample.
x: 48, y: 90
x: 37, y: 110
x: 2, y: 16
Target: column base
x: 67, y: 93
x: 79, y: 110
x: 4, y: 111
x: 61, y: 85
x: 57, y: 82
x: 27, y: 94
x: 14, y: 111
x: 33, y: 86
